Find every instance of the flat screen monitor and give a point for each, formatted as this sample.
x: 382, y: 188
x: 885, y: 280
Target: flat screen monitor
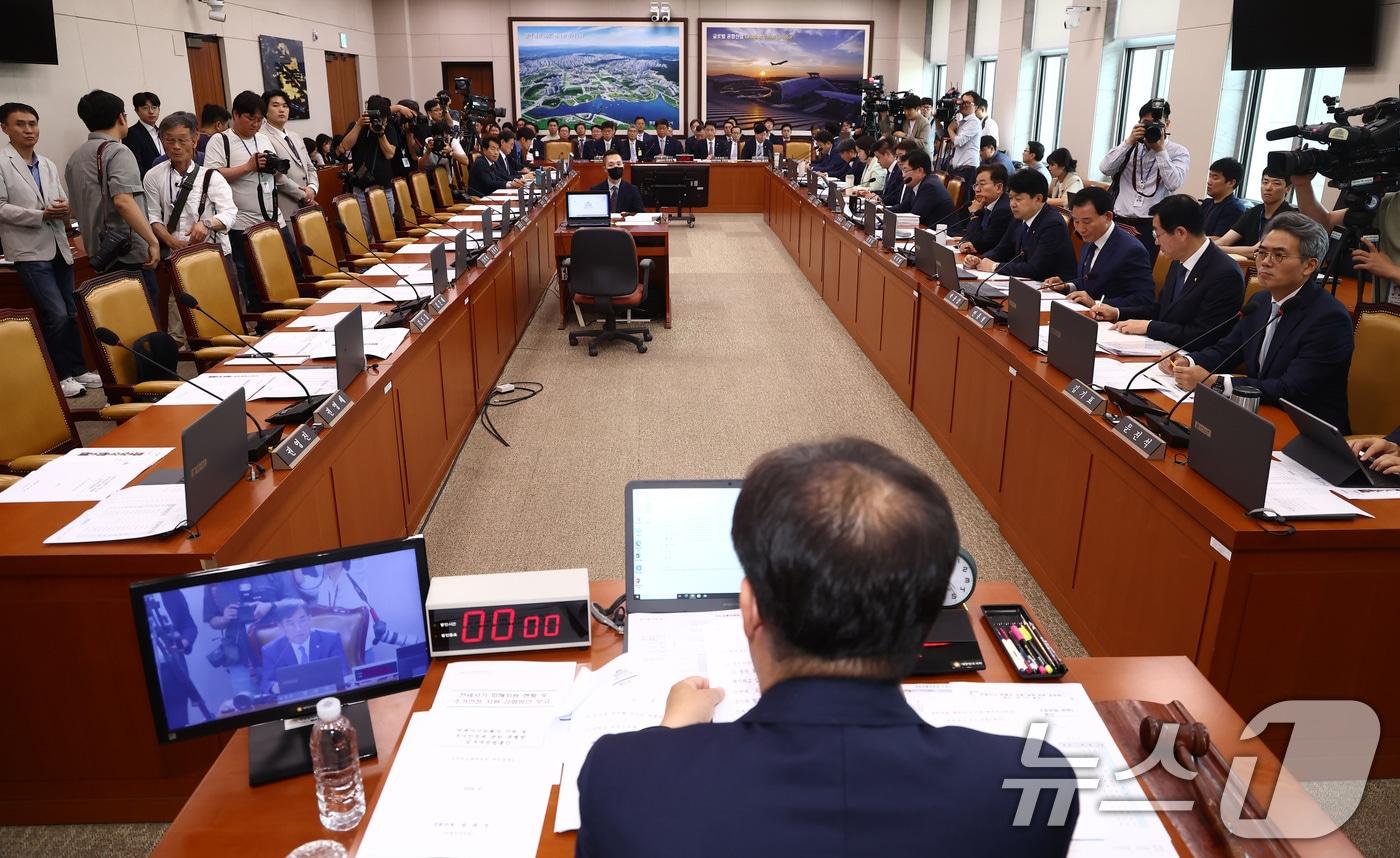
x: 1265, y: 36
x: 1231, y: 447
x: 226, y: 648
x: 30, y: 34
x: 586, y: 205
x: 1023, y: 313
x: 679, y: 553
x: 1073, y: 342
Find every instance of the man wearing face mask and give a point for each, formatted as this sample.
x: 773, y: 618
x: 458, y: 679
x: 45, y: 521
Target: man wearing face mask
x: 623, y: 197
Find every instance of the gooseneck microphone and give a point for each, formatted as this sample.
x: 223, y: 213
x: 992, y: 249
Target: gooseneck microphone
x: 1180, y: 436
x: 294, y: 414
x: 259, y: 442
x: 977, y: 291
x: 1133, y: 405
x: 418, y: 301
x: 394, y: 319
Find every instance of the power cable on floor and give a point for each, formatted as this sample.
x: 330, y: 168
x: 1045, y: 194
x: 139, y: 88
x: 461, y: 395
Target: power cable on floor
x: 507, y: 393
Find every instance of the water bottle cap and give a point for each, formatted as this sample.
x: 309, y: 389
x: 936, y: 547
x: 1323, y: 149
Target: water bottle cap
x: 328, y: 708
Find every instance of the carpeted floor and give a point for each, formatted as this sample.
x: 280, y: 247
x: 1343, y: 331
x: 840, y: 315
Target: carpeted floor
x: 755, y: 361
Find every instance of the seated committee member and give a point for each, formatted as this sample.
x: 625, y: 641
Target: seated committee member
x: 630, y: 147
x: 846, y: 550
x: 602, y: 142
x: 1063, y: 180
x: 1243, y: 235
x: 877, y: 168
x: 490, y: 172
x: 823, y: 151
x: 757, y: 146
x: 623, y: 197
x: 1113, y: 266
x: 991, y: 155
x: 1037, y: 246
x: 1222, y: 205
x: 663, y: 145
x: 704, y: 147
x: 736, y: 142
x: 1306, y: 354
x: 927, y: 197
x: 1204, y: 287
x: 299, y: 643
x: 988, y: 216
x: 840, y: 166
x: 1380, y: 454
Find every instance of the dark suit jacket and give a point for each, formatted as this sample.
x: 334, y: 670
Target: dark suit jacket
x: 1308, y: 359
x: 1394, y: 437
x: 750, y: 144
x: 837, y: 167
x: 1211, y: 293
x: 624, y: 148
x: 699, y: 148
x: 515, y: 156
x: 652, y: 148
x: 279, y: 653
x: 894, y: 187
x: 485, y: 178
x: 930, y: 201
x: 724, y: 148
x: 818, y: 768
x: 1046, y: 246
x: 1122, y: 273
x: 986, y: 228
x: 629, y: 199
x: 139, y: 141
x: 598, y: 148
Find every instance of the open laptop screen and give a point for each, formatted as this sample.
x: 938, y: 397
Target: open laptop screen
x: 587, y: 205
x: 680, y: 556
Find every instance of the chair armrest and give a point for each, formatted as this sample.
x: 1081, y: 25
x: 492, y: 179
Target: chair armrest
x: 298, y: 303
x: 25, y: 464
x: 324, y: 286
x: 279, y: 315
x: 122, y: 413
x: 232, y: 340
x: 645, y: 265
x: 7, y: 480
x: 154, y: 388
x: 214, y: 354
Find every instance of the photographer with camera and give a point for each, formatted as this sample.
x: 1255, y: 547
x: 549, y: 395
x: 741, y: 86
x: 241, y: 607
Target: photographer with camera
x: 966, y: 133
x: 173, y: 633
x: 440, y: 147
x: 915, y: 125
x: 230, y: 607
x: 244, y: 156
x: 1381, y: 260
x: 371, y: 143
x: 1146, y: 169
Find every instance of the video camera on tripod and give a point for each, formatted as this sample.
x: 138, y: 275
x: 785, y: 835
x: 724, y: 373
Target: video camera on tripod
x: 474, y: 108
x: 875, y: 101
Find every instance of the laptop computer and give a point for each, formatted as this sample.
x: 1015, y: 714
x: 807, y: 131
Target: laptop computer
x: 1073, y: 340
x: 349, y: 348
x: 946, y: 267
x: 679, y: 553
x: 836, y: 198
x: 1322, y: 449
x: 1231, y: 447
x: 437, y: 263
x: 487, y: 239
x: 315, y: 676
x: 1023, y: 313
x: 924, y: 259
x: 586, y: 208
x: 872, y: 215
x: 214, y: 453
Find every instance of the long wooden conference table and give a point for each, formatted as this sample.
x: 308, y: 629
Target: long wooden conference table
x: 1142, y: 558
x: 227, y: 817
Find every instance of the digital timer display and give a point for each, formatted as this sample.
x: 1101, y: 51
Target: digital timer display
x: 542, y: 625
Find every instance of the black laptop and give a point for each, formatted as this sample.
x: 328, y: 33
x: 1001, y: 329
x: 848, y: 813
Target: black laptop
x: 437, y: 263
x: 586, y: 208
x: 872, y: 217
x: 925, y: 250
x: 835, y: 197
x: 349, y: 348
x: 214, y: 450
x: 1023, y: 313
x: 945, y: 263
x: 1232, y: 447
x: 1322, y: 449
x: 1073, y: 340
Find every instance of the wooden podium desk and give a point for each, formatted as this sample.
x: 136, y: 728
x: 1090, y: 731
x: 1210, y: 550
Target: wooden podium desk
x: 653, y: 242
x: 227, y: 817
x: 736, y: 187
x: 371, y: 476
x: 1141, y: 557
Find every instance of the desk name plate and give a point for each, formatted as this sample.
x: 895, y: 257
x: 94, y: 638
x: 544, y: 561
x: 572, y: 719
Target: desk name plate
x: 331, y: 410
x: 900, y: 260
x: 870, y: 240
x: 420, y: 321
x: 294, y: 447
x: 981, y: 317
x: 439, y: 303
x: 1085, y: 397
x: 955, y: 299
x: 491, y: 253
x: 1146, y: 442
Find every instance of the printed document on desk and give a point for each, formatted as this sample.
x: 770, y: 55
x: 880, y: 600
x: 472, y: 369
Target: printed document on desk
x: 1130, y: 345
x: 328, y: 321
x: 85, y: 474
x: 221, y: 384
x: 393, y: 269
x: 132, y: 513
x: 1296, y: 492
x: 319, y: 382
x: 282, y: 343
x: 1114, y: 373
x: 1076, y: 729
x: 366, y: 295
x: 380, y: 343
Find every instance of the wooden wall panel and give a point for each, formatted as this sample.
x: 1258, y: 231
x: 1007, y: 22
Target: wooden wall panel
x: 935, y: 369
x: 368, y: 478
x: 981, y: 398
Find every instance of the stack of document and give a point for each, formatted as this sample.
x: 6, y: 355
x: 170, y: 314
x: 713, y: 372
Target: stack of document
x: 328, y: 321
x: 384, y: 295
x: 393, y: 269
x: 1296, y: 492
x: 318, y: 381
x: 134, y: 512
x: 86, y: 474
x: 1113, y: 373
x: 221, y: 384
x: 1130, y: 345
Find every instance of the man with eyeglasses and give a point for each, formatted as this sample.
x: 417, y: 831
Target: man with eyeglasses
x: 966, y: 133
x: 1113, y: 267
x: 1305, y: 354
x: 186, y: 203
x: 989, y: 215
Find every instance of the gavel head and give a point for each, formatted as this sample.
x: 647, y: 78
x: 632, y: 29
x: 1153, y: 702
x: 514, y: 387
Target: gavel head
x: 1192, y: 739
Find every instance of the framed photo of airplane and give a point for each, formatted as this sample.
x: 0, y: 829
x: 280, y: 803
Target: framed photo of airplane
x: 787, y: 71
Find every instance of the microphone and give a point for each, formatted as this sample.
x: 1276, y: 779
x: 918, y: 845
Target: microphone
x: 418, y: 301
x: 988, y: 303
x: 1130, y: 403
x: 1180, y: 436
x: 259, y: 442
x: 294, y: 414
x: 390, y: 320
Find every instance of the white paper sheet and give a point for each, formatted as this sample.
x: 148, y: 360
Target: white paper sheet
x: 392, y: 269
x: 1130, y: 345
x: 283, y: 343
x: 132, y: 513
x: 85, y: 474
x: 222, y: 384
x: 729, y: 666
x: 379, y: 343
x: 319, y: 382
x: 415, y: 248
x: 1296, y: 492
x: 328, y: 321
x: 254, y: 360
x: 1349, y: 494
x: 365, y: 295
x: 1113, y: 373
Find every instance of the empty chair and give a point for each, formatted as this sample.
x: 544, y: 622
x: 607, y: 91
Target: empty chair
x: 311, y: 229
x: 557, y: 150
x: 797, y: 151
x: 205, y: 275
x: 358, y: 248
x: 118, y: 302
x: 272, y: 270
x: 1372, y: 405
x: 382, y: 221
x: 955, y: 190
x: 423, y: 197
x: 603, y: 272
x: 415, y: 225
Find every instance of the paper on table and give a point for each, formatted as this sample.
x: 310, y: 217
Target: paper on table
x: 1296, y: 492
x: 728, y: 665
x: 420, y: 278
x: 365, y: 295
x: 379, y: 342
x: 132, y: 513
x: 507, y: 686
x: 221, y: 384
x: 1133, y: 345
x: 1350, y: 494
x: 1048, y: 299
x: 283, y: 343
x: 85, y: 474
x: 1076, y: 730
x: 393, y: 269
x: 1044, y: 341
x: 319, y: 381
x: 328, y: 321
x: 254, y: 360
x: 1113, y: 373
x: 443, y: 232
x: 416, y: 248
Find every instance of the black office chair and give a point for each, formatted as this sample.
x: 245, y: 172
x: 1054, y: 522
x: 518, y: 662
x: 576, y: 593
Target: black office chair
x: 601, y: 272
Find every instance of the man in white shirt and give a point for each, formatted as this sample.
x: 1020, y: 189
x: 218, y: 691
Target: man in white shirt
x: 966, y: 132
x: 203, y: 215
x: 239, y: 154
x: 1146, y: 171
x: 298, y: 186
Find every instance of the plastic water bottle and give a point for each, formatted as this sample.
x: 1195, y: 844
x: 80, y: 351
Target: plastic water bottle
x: 335, y: 759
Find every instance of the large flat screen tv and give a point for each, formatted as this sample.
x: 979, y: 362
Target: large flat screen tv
x: 1274, y: 36
x: 29, y: 33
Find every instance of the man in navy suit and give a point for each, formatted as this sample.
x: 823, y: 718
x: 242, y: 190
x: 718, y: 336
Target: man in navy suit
x: 602, y: 143
x: 630, y: 147
x: 1305, y: 354
x: 1113, y: 266
x: 623, y: 197
x: 989, y: 215
x: 490, y: 172
x: 927, y: 197
x: 846, y: 551
x: 1204, y: 287
x: 839, y: 165
x: 1037, y: 246
x: 299, y: 644
x: 757, y: 146
x: 143, y: 139
x: 663, y: 144
x: 705, y: 146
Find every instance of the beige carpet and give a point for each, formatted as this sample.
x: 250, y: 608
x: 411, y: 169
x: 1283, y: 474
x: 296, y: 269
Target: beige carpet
x: 755, y: 361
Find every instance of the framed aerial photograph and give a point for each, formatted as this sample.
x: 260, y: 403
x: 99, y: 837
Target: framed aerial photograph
x: 589, y: 70
x: 787, y: 71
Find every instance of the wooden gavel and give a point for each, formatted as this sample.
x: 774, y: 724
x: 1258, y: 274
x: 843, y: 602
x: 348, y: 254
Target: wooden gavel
x: 1192, y: 743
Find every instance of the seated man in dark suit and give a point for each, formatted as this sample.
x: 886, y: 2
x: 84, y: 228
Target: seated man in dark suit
x: 1113, y: 266
x: 989, y: 215
x: 756, y: 146
x: 490, y: 172
x: 1204, y: 287
x: 663, y: 144
x: 631, y: 147
x: 602, y: 141
x: 1037, y: 246
x: 839, y: 167
x: 823, y: 151
x: 623, y: 197
x: 1381, y: 454
x: 846, y: 551
x: 299, y: 644
x: 1305, y: 354
x: 705, y: 147
x: 895, y: 189
x: 927, y: 197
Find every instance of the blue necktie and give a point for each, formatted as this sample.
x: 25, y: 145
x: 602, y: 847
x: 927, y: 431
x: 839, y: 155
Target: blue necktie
x: 1090, y: 252
x: 1174, y: 284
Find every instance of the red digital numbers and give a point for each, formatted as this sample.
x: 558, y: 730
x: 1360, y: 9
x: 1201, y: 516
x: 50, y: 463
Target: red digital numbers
x: 479, y: 617
x: 502, y: 627
x: 530, y: 627
x: 499, y: 617
x: 551, y: 626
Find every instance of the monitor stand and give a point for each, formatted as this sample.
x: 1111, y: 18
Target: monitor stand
x: 282, y: 749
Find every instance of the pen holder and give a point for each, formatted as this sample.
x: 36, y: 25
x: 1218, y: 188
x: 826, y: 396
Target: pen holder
x: 1022, y: 642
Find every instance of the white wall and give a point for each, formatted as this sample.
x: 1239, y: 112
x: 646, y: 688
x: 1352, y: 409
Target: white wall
x: 986, y: 36
x: 127, y: 46
x: 416, y: 36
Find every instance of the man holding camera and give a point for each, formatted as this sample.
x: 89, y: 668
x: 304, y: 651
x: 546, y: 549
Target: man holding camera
x: 244, y: 156
x: 371, y: 142
x: 1382, y: 260
x: 966, y: 134
x: 1146, y: 169
x: 441, y: 148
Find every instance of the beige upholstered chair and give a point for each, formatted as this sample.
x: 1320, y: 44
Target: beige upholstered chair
x: 272, y: 269
x: 118, y: 302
